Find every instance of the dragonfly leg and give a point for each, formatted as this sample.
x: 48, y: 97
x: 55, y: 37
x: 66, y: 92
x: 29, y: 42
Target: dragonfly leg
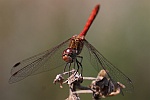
x: 79, y: 65
x: 74, y: 63
x: 65, y: 66
x: 69, y: 68
x: 80, y: 58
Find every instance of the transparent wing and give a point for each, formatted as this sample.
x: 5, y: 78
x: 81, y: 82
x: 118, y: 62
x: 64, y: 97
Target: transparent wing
x: 99, y: 62
x: 44, y: 61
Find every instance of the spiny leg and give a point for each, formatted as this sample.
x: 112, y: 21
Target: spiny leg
x: 67, y: 64
x: 74, y: 63
x: 65, y: 67
x: 80, y: 58
x: 79, y: 65
x: 69, y: 68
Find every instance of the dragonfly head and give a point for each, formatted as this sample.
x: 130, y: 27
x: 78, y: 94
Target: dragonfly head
x: 68, y: 55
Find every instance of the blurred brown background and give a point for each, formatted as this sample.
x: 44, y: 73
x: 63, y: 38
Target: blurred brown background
x: 121, y: 32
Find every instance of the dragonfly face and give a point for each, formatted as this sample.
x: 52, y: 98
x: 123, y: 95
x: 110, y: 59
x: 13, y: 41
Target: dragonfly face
x: 74, y: 49
x: 69, y: 54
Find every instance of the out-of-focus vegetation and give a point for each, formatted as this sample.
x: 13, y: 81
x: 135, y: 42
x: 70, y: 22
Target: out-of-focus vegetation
x: 121, y: 32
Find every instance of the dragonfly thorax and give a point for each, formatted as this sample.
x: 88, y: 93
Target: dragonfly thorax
x: 74, y: 49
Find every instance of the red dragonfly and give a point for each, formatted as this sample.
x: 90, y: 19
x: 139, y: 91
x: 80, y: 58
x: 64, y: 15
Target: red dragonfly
x: 66, y: 54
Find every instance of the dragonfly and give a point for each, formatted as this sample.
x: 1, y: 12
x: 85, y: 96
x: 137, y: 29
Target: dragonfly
x: 68, y: 53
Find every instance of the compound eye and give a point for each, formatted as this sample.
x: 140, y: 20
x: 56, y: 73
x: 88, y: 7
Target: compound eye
x: 67, y: 58
x: 68, y: 51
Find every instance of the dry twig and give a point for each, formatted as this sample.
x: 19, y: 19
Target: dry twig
x: 101, y: 87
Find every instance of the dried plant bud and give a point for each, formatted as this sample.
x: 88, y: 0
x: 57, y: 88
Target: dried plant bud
x: 59, y: 79
x: 103, y: 86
